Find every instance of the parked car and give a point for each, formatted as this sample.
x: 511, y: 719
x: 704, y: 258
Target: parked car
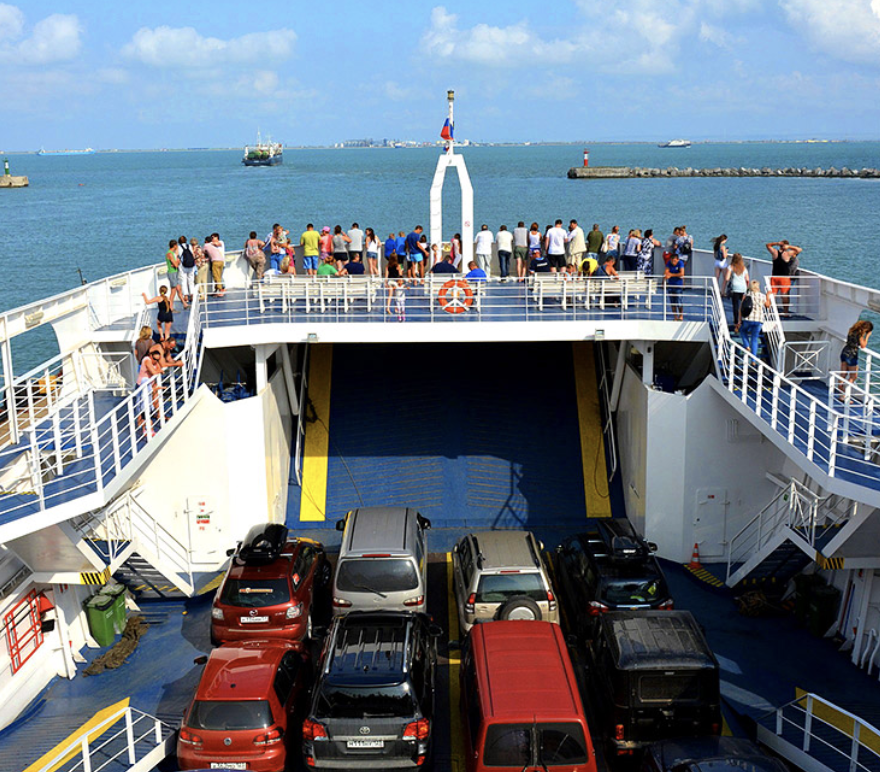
x: 653, y: 677
x: 607, y: 569
x: 248, y: 700
x: 520, y: 704
x: 501, y: 575
x: 709, y: 754
x: 383, y: 561
x: 373, y: 702
x: 269, y: 588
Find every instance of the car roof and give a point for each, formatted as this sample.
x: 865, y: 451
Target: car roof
x: 277, y: 569
x: 370, y: 647
x: 524, y: 671
x: 714, y: 753
x: 648, y: 640
x: 372, y: 529
x: 242, y: 671
x: 505, y: 549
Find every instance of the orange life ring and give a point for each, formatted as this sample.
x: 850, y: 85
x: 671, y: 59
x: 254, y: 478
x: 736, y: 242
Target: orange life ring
x: 456, y: 296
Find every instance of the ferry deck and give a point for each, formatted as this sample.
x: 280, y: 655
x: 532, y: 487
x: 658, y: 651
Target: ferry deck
x: 541, y: 405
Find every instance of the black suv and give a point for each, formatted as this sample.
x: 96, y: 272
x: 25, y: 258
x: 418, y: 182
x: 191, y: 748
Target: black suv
x: 653, y: 676
x: 607, y: 569
x: 373, y: 703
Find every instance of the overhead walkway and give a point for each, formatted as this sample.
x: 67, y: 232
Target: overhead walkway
x: 474, y: 436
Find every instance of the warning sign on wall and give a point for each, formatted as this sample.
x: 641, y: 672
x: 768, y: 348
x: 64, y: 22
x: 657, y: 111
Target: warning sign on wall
x: 200, y: 509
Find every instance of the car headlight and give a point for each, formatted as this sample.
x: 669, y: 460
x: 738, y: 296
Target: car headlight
x: 217, y: 613
x: 295, y: 611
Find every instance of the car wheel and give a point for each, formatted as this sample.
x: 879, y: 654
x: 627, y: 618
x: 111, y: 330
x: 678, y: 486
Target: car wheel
x: 520, y: 608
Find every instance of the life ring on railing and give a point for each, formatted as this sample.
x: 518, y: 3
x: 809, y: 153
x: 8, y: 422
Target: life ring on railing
x: 456, y: 296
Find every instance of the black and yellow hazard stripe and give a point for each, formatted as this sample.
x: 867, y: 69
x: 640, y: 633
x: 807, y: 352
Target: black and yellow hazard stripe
x: 831, y: 564
x: 704, y: 576
x: 95, y: 577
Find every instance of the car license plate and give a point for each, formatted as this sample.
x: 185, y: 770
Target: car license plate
x: 365, y: 744
x: 245, y: 621
x: 228, y: 765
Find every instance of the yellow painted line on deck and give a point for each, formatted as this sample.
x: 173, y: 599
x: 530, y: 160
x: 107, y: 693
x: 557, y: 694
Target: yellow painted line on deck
x: 456, y: 740
x: 590, y: 422
x: 317, y: 440
x: 87, y: 728
x: 842, y: 722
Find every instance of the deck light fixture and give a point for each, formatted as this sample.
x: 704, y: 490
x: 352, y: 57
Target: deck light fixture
x: 312, y: 337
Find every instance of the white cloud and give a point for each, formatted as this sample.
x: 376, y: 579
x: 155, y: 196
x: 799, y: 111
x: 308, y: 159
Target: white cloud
x: 184, y: 47
x: 846, y: 29
x: 57, y: 38
x: 709, y: 33
x: 397, y: 93
x: 11, y: 22
x: 485, y: 44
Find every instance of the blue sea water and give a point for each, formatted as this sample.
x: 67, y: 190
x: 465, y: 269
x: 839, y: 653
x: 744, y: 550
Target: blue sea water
x: 110, y: 212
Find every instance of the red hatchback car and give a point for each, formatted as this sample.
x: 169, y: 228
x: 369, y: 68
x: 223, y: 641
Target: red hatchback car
x: 242, y: 715
x: 268, y: 590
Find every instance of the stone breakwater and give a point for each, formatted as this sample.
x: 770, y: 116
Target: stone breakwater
x: 621, y: 172
x: 9, y: 181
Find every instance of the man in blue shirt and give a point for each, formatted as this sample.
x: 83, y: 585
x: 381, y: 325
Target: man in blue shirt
x: 539, y: 263
x: 416, y: 253
x: 445, y: 266
x: 401, y: 251
x: 355, y: 266
x: 390, y: 247
x: 474, y: 273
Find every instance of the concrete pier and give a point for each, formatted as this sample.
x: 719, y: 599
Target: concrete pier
x: 10, y: 181
x: 628, y: 172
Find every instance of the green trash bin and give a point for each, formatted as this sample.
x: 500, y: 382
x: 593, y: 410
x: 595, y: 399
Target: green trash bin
x: 101, y: 617
x: 823, y: 609
x: 117, y: 593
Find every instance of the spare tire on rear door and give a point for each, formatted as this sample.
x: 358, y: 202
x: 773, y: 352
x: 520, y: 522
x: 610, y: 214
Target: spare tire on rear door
x: 520, y: 607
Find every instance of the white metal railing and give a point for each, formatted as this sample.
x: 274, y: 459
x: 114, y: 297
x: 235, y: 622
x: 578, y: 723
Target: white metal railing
x: 772, y: 329
x: 301, y: 418
x: 166, y: 551
x: 98, y: 446
x: 125, y: 737
x: 794, y: 506
x: 450, y: 298
x: 800, y: 360
x: 814, y: 726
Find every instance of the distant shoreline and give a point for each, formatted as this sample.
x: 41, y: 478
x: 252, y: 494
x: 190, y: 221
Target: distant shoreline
x: 574, y: 143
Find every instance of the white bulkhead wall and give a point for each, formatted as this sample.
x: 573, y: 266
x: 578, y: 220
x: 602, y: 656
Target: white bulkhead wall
x: 694, y: 471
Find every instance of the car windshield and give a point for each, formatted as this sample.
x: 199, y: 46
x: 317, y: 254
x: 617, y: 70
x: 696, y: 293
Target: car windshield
x: 378, y: 575
x: 228, y: 715
x: 632, y: 592
x: 559, y: 744
x: 678, y: 687
x: 365, y: 701
x: 497, y: 588
x: 255, y: 593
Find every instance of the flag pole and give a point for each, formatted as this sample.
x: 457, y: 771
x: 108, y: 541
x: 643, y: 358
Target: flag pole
x: 450, y: 95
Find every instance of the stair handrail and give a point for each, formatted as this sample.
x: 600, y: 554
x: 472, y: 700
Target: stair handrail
x: 155, y: 733
x: 157, y: 538
x: 301, y: 418
x: 608, y: 422
x: 851, y: 741
x: 775, y: 333
x: 780, y: 512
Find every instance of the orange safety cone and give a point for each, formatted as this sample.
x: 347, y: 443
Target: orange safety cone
x: 695, y: 558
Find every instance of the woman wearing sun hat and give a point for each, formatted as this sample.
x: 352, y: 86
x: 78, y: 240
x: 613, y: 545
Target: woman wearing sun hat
x: 326, y: 242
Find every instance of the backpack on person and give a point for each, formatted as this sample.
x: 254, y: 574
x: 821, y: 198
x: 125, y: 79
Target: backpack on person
x: 187, y: 260
x: 684, y: 249
x: 747, y: 306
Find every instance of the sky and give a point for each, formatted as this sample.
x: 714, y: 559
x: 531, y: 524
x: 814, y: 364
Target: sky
x: 209, y: 73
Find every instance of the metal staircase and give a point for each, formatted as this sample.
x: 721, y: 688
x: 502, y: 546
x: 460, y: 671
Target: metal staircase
x: 789, y: 533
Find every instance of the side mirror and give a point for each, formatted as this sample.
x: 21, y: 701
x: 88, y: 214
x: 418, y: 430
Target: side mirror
x: 340, y: 525
x: 652, y: 546
x: 230, y: 552
x: 434, y: 630
x: 200, y: 660
x: 424, y: 522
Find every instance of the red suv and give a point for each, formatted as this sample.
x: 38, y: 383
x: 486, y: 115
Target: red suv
x: 267, y: 591
x: 242, y: 715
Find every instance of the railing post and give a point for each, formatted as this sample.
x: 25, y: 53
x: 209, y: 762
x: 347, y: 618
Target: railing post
x: 77, y: 433
x: 745, y: 379
x: 774, y: 403
x: 86, y: 759
x: 114, y: 435
x: 811, y: 436
x: 157, y: 726
x: 854, y: 752
x: 56, y: 437
x: 779, y: 722
x: 832, y: 441
x: 37, y: 469
x: 96, y: 450
x: 129, y: 737
x: 808, y: 724
x: 792, y: 415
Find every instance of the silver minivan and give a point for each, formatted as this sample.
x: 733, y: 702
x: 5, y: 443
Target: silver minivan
x: 383, y: 561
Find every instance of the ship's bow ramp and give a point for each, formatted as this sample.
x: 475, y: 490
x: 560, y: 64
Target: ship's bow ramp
x: 482, y: 435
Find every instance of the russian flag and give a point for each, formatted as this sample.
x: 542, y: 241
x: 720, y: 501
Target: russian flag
x: 446, y: 131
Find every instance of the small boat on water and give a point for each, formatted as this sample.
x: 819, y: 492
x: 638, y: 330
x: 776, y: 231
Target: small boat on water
x: 86, y: 151
x: 676, y: 143
x: 266, y: 153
